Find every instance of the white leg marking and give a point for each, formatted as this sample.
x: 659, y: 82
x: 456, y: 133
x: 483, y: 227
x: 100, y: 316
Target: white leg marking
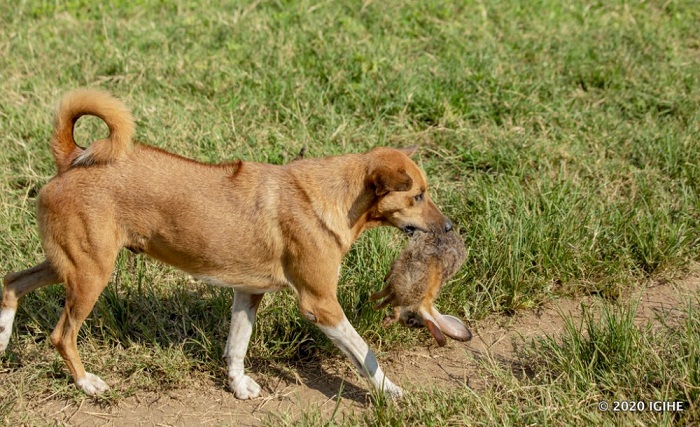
x: 351, y: 343
x: 92, y: 384
x: 7, y: 317
x: 242, y: 319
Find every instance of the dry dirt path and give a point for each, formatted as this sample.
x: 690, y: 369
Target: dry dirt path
x: 289, y: 391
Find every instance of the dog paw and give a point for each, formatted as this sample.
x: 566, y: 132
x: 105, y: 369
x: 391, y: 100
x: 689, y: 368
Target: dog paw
x: 7, y: 316
x: 92, y: 384
x: 244, y: 387
x: 392, y: 391
x: 4, y: 338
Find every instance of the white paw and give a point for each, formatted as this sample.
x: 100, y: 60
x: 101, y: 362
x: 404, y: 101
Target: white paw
x: 7, y: 317
x: 92, y: 384
x: 392, y: 391
x: 244, y: 387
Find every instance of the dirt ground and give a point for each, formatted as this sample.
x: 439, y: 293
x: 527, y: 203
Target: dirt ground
x: 290, y: 391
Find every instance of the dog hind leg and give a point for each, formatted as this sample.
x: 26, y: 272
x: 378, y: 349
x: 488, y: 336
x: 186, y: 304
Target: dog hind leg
x: 243, y: 312
x: 82, y: 290
x: 15, y: 286
x: 85, y: 272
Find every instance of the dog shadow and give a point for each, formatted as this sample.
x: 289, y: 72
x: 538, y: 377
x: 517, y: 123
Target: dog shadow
x: 196, y: 318
x: 284, y: 380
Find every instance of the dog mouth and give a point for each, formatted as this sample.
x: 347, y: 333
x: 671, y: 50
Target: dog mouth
x: 408, y: 229
x: 411, y: 229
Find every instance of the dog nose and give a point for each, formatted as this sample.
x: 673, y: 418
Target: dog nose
x: 448, y: 226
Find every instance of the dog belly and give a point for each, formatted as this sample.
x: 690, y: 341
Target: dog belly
x: 247, y: 268
x: 252, y: 278
x: 247, y: 285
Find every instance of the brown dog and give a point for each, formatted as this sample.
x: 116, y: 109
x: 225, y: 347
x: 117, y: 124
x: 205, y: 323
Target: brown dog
x: 251, y: 226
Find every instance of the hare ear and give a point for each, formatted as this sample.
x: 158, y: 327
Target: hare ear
x: 385, y: 180
x: 453, y: 327
x: 440, y: 325
x: 409, y: 151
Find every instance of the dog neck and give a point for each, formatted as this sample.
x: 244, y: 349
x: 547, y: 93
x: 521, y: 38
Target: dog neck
x: 346, y: 202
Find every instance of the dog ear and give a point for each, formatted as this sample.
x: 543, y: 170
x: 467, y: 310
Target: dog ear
x: 409, y: 151
x: 385, y: 180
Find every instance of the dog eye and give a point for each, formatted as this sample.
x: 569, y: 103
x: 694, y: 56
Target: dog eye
x: 419, y: 198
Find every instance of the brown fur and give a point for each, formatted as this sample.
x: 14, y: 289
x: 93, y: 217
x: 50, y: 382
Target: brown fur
x: 253, y: 226
x: 419, y: 272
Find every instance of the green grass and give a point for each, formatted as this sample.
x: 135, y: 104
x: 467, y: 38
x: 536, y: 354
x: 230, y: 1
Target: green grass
x: 607, y: 359
x: 562, y: 137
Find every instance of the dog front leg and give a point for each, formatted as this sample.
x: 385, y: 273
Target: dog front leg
x: 243, y: 311
x: 346, y: 338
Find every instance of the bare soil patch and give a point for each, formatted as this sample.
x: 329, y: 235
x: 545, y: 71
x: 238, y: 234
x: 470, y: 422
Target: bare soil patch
x: 291, y: 390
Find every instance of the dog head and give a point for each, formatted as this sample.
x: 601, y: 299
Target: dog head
x: 401, y: 192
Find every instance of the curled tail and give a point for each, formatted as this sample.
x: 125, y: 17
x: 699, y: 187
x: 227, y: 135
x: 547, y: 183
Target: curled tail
x: 92, y: 102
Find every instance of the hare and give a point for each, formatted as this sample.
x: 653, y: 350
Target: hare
x: 415, y: 279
